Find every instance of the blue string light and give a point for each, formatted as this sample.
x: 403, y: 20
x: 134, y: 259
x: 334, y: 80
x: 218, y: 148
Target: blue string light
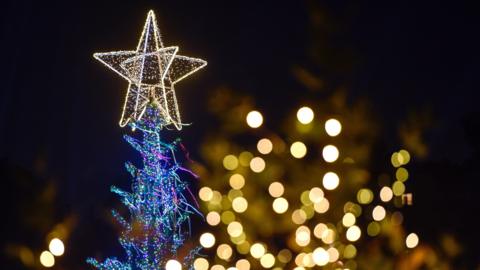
x: 159, y: 220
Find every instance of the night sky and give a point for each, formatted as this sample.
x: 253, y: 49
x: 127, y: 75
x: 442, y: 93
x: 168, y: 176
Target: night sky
x: 59, y: 108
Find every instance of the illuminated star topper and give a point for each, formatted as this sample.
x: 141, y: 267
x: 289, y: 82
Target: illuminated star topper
x: 152, y: 71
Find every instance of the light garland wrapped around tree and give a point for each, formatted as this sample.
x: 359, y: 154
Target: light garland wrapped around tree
x: 159, y: 222
x: 303, y: 197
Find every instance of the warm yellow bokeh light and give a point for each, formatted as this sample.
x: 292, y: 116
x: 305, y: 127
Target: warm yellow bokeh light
x: 298, y: 149
x: 348, y: 220
x: 264, y: 146
x: 398, y: 188
x: 224, y: 251
x: 235, y: 229
x: 200, y: 264
x: 316, y: 195
x: 322, y: 206
x: 333, y: 254
x: 330, y: 153
x: 239, y: 204
x: 401, y: 174
x: 284, y: 256
x: 364, y: 196
x: 386, y: 194
x: 257, y: 250
x: 243, y: 264
x: 307, y: 260
x: 319, y: 229
x: 412, y: 240
x: 276, y: 189
x: 230, y: 162
x: 353, y: 233
x: 56, y: 247
x: 280, y: 205
x: 257, y: 164
x: 237, y: 181
x: 302, y: 236
x: 373, y: 229
x: 350, y: 251
x: 333, y: 127
x: 47, y: 259
x: 173, y: 265
x: 244, y: 158
x: 205, y: 194
x: 405, y: 156
x: 320, y: 256
x: 207, y: 240
x: 217, y: 267
x: 330, y: 181
x: 305, y: 115
x: 267, y: 260
x: 328, y: 236
x: 299, y: 216
x: 254, y: 119
x: 379, y: 213
x: 227, y: 217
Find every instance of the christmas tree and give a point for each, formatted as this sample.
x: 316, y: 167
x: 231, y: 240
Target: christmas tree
x: 159, y: 209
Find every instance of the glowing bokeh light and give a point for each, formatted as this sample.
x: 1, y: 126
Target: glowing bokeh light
x: 280, y: 205
x: 207, y: 240
x: 200, y: 264
x: 237, y: 181
x: 173, y: 265
x: 230, y: 162
x: 239, y: 204
x: 364, y: 196
x: 319, y: 229
x: 235, y: 229
x: 350, y: 251
x: 373, y: 229
x: 333, y: 127
x: 264, y: 146
x: 321, y: 256
x: 305, y: 115
x: 330, y: 153
x: 254, y: 119
x: 378, y: 213
x: 257, y: 164
x: 298, y: 149
x: 47, y: 259
x: 302, y: 236
x: 205, y: 194
x: 284, y: 256
x: 224, y: 251
x: 322, y: 206
x: 267, y: 260
x: 330, y: 181
x: 299, y: 216
x: 353, y: 233
x: 401, y: 174
x: 412, y: 240
x: 398, y: 188
x: 316, y: 195
x: 386, y: 194
x: 348, y: 220
x: 333, y: 254
x: 56, y: 247
x: 242, y: 264
x: 276, y: 189
x: 257, y: 250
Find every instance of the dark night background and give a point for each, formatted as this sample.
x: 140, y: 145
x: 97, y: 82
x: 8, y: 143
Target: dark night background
x: 59, y: 108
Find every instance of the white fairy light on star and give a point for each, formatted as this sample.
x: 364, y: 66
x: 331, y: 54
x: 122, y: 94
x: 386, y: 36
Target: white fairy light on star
x: 152, y: 70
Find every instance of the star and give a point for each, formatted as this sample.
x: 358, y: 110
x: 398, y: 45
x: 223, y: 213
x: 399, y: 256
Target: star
x: 152, y: 71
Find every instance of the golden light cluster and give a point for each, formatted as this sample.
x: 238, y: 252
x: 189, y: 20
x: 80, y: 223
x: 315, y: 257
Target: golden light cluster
x: 309, y: 243
x: 55, y: 248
